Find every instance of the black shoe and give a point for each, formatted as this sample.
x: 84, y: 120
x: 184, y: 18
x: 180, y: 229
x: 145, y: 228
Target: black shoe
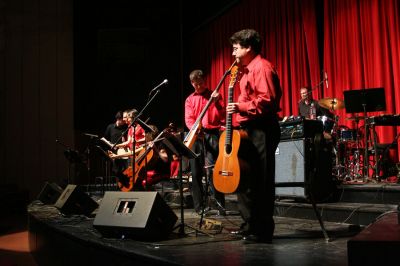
x: 250, y: 239
x: 240, y: 233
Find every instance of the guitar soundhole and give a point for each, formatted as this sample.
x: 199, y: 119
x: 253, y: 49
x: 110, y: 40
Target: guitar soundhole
x: 228, y: 148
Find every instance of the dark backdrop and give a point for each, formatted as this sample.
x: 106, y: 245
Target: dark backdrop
x: 125, y: 48
x: 122, y: 50
x: 67, y: 66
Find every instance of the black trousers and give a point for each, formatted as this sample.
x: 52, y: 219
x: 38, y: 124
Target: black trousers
x: 208, y: 155
x: 256, y: 192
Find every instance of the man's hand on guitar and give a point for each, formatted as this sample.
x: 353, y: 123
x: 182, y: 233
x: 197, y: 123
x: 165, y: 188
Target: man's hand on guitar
x: 232, y: 108
x: 215, y: 96
x: 111, y: 155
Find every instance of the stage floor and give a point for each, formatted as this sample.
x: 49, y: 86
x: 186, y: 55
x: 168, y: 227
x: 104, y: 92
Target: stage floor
x: 74, y: 239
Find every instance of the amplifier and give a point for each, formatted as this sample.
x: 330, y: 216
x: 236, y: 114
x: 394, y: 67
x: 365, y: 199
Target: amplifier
x: 300, y: 127
x: 301, y: 169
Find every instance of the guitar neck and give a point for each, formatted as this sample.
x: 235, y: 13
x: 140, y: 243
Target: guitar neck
x: 200, y: 117
x: 228, y: 124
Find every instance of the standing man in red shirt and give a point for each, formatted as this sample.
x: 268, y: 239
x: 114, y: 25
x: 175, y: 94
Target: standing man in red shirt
x: 207, y: 142
x: 256, y: 113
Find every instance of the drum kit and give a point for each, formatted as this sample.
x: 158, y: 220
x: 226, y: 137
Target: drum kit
x: 347, y: 142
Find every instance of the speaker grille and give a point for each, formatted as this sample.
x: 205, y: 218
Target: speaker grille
x: 291, y: 169
x: 300, y: 172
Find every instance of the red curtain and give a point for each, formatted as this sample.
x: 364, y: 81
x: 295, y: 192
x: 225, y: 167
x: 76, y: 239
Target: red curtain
x: 361, y: 44
x: 361, y: 40
x: 288, y: 29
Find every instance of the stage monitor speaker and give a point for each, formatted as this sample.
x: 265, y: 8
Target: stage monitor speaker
x: 140, y: 215
x: 302, y: 170
x: 74, y: 200
x: 49, y: 193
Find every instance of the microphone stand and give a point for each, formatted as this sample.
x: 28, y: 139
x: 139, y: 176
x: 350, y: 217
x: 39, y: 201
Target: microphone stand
x: 318, y: 85
x: 365, y: 169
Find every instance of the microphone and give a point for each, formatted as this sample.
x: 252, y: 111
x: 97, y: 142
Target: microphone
x: 326, y: 79
x: 159, y: 85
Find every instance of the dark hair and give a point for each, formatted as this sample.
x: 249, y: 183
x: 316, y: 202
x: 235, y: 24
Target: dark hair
x: 119, y: 115
x: 196, y: 75
x: 247, y: 38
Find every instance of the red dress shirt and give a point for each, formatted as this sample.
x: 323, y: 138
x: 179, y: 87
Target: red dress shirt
x: 195, y: 103
x: 260, y: 91
x: 139, y: 134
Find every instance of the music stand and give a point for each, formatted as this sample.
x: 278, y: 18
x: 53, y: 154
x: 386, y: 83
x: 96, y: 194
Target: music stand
x: 92, y: 138
x: 177, y: 147
x: 365, y: 100
x: 73, y: 157
x: 108, y: 162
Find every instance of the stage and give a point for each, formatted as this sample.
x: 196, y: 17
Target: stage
x: 56, y: 239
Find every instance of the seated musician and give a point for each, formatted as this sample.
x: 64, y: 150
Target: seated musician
x: 115, y: 134
x: 160, y: 167
x: 139, y: 132
x: 305, y: 105
x: 154, y: 169
x: 321, y: 113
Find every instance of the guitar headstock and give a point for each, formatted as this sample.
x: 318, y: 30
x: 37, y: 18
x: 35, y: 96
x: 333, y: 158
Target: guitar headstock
x: 234, y: 74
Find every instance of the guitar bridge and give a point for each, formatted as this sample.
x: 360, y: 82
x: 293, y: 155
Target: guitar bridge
x: 225, y: 173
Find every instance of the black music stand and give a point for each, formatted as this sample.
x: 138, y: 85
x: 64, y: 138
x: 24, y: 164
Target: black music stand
x: 177, y: 147
x: 88, y: 151
x: 106, y: 179
x: 365, y: 100
x: 73, y: 157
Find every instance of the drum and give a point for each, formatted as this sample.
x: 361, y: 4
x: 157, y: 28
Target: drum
x: 346, y: 134
x: 327, y: 122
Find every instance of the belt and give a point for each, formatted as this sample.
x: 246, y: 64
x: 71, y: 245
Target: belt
x: 261, y: 123
x: 211, y: 130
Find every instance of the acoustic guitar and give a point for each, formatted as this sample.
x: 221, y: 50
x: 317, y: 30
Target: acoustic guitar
x: 226, y: 174
x: 121, y: 153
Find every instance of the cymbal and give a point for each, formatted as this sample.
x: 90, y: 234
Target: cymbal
x: 331, y: 103
x: 355, y: 118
